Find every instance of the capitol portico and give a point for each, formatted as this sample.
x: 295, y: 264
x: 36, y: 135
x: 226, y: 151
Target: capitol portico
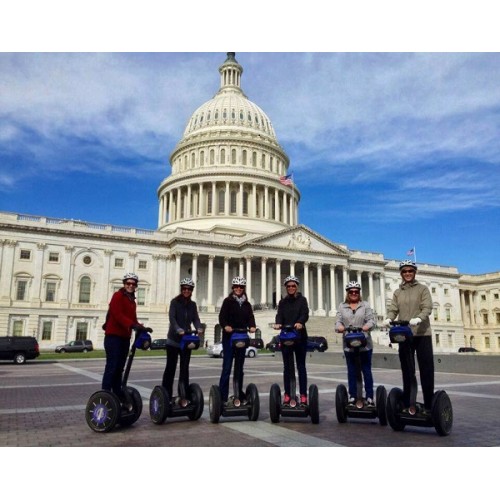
x: 227, y: 208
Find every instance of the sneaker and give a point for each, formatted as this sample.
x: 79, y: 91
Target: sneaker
x: 286, y: 399
x: 303, y: 399
x: 352, y: 401
x: 369, y: 402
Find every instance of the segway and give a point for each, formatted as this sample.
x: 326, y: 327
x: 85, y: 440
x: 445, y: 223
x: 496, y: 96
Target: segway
x: 355, y: 339
x: 235, y: 407
x: 105, y: 409
x: 189, y: 402
x: 441, y: 415
x: 288, y: 338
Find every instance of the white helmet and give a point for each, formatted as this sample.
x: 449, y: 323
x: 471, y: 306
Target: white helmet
x: 407, y: 263
x: 187, y: 282
x: 291, y: 278
x: 353, y: 284
x: 239, y: 281
x: 131, y: 276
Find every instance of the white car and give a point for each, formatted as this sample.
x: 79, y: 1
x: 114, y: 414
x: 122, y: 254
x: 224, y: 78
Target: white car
x: 215, y: 351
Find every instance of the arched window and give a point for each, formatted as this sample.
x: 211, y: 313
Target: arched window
x: 222, y: 195
x: 202, y: 158
x: 263, y: 161
x: 212, y: 157
x: 84, y: 293
x: 192, y: 160
x: 233, y: 156
x: 209, y: 202
x: 234, y: 195
x: 222, y: 156
x: 244, y: 157
x: 245, y: 203
x: 254, y: 159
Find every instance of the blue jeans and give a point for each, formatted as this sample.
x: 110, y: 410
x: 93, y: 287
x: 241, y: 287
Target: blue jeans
x: 300, y: 350
x: 366, y: 369
x: 116, y: 356
x: 173, y: 353
x: 229, y: 354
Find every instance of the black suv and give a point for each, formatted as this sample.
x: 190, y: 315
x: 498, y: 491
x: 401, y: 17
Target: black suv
x: 19, y: 349
x: 273, y: 345
x: 317, y: 344
x: 257, y: 343
x: 158, y: 344
x: 76, y: 346
x: 467, y: 349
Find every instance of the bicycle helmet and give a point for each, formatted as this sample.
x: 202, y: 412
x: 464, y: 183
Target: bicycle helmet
x: 187, y: 282
x: 131, y: 276
x: 353, y: 284
x: 291, y: 278
x: 239, y: 281
x: 407, y: 263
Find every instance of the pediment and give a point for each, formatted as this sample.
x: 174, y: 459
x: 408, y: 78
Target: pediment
x: 299, y: 238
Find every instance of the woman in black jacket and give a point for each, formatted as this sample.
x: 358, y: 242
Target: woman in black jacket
x: 236, y: 313
x: 182, y: 314
x: 293, y: 309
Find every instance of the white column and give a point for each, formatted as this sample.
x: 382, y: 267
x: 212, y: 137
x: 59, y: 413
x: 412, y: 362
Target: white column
x: 345, y: 276
x: 178, y: 256
x: 306, y: 283
x: 370, y: 290
x: 160, y: 211
x: 263, y: 280
x: 278, y: 280
x: 249, y: 278
x: 210, y: 299
x: 382, y: 295
x: 292, y: 267
x: 227, y: 205
x: 276, y: 205
x: 179, y: 204
x: 194, y: 273
x: 239, y: 204
x: 462, y: 307
x: 201, y: 210
x: 187, y: 215
x: 320, y: 309
x: 333, y: 299
x: 293, y: 221
x: 226, y: 277
x: 214, y: 198
x: 266, y: 202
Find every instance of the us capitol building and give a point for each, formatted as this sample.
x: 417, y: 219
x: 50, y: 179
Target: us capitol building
x: 223, y: 211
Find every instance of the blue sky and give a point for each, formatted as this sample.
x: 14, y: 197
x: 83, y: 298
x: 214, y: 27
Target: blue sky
x: 390, y: 151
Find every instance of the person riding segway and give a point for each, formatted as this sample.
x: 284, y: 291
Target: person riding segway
x: 412, y: 305
x: 181, y: 341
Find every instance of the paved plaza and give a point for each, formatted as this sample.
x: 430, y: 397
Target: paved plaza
x: 42, y: 405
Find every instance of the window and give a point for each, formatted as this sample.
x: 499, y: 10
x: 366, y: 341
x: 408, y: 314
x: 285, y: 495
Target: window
x: 435, y: 314
x: 81, y: 330
x: 483, y: 297
x: 245, y: 203
x: 448, y: 314
x: 496, y: 296
x: 446, y: 291
x: 233, y: 156
x: 254, y: 159
x: 433, y: 289
x: 141, y: 296
x: 438, y: 340
x: 244, y: 157
x: 202, y: 158
x: 50, y: 292
x: 46, y: 330
x: 485, y: 318
x: 221, y: 201
x: 497, y: 316
x: 193, y: 163
x: 487, y: 342
x: 25, y: 255
x: 209, y: 202
x: 222, y: 156
x: 53, y: 256
x: 17, y: 328
x: 22, y: 286
x: 87, y: 260
x: 212, y: 157
x: 233, y: 201
x: 84, y: 295
x: 118, y: 262
x: 143, y: 264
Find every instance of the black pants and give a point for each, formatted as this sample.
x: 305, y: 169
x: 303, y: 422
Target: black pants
x: 300, y: 351
x: 422, y: 345
x: 116, y: 357
x: 173, y: 354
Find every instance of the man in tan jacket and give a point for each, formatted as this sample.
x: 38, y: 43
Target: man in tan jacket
x: 412, y: 302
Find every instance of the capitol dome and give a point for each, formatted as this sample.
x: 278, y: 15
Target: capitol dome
x: 230, y: 107
x: 229, y: 173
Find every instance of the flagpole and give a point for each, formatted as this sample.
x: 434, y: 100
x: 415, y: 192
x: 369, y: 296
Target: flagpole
x: 414, y: 255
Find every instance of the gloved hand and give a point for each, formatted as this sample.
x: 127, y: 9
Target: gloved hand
x: 415, y: 321
x: 180, y: 331
x: 199, y: 331
x: 387, y: 322
x: 148, y: 329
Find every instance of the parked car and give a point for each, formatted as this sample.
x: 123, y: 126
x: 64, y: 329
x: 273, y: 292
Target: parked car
x: 158, y: 344
x: 76, y: 346
x: 19, y: 349
x: 257, y: 343
x: 467, y: 349
x: 318, y: 344
x: 216, y: 351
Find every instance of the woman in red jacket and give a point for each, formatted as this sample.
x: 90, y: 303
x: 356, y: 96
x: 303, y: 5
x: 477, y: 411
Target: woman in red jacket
x: 120, y: 321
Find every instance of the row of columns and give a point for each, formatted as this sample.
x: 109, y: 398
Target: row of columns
x: 195, y: 203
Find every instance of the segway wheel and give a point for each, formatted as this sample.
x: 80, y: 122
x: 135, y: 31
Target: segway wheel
x: 196, y: 398
x: 275, y: 403
x: 159, y: 404
x: 314, y: 403
x: 394, y: 408
x: 215, y: 404
x: 252, y: 395
x: 442, y: 413
x: 381, y: 402
x: 341, y: 399
x: 133, y: 416
x: 102, y: 411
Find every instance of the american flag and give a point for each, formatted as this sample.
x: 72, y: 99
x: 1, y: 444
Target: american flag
x: 411, y: 251
x: 286, y: 180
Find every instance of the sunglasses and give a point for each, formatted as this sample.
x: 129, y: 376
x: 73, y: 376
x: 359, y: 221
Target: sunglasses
x: 291, y: 286
x: 408, y: 271
x: 353, y: 292
x: 130, y: 283
x: 186, y: 289
x: 239, y: 286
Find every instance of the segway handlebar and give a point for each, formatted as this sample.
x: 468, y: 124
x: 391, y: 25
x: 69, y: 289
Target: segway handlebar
x: 355, y: 337
x: 400, y: 331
